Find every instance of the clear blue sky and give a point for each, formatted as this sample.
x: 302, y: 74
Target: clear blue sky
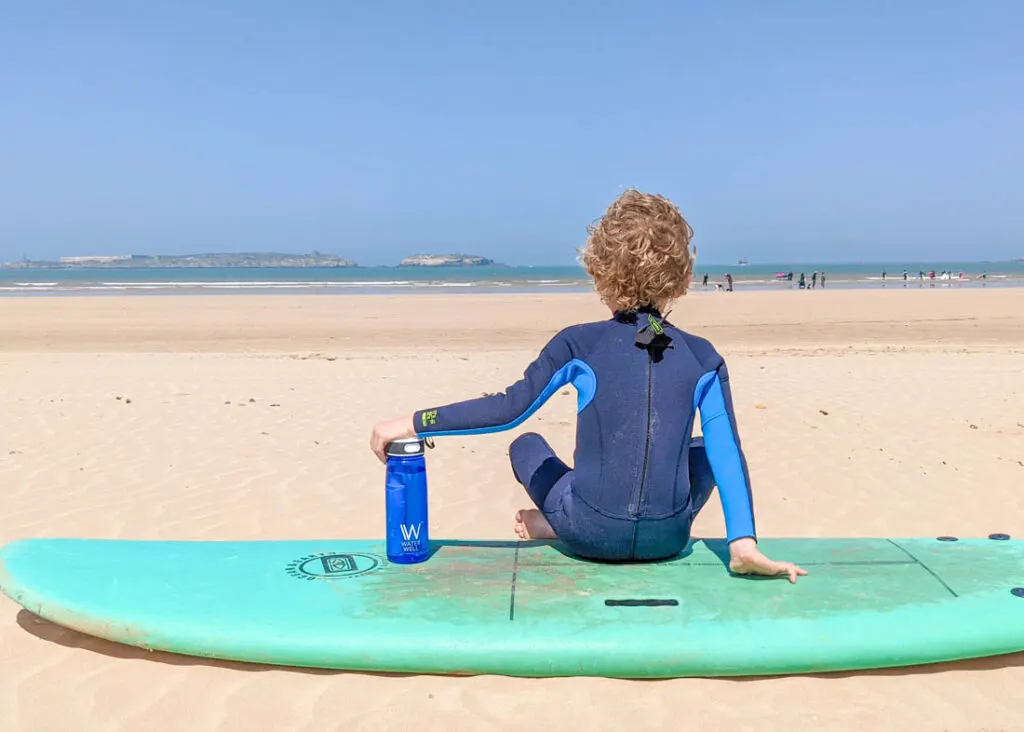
x: 785, y: 131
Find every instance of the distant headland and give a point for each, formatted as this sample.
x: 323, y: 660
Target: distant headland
x: 446, y: 260
x: 181, y: 261
x: 236, y: 259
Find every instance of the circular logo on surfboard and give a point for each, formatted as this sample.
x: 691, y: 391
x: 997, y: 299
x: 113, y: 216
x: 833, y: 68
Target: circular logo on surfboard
x: 329, y: 566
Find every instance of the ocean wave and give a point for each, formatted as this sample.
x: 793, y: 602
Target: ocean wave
x: 376, y: 284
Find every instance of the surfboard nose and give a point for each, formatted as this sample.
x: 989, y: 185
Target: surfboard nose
x: 16, y: 548
x: 7, y: 551
x: 11, y: 555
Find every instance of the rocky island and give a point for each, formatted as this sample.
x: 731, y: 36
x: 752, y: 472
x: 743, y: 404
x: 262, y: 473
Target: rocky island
x: 446, y: 260
x: 172, y: 261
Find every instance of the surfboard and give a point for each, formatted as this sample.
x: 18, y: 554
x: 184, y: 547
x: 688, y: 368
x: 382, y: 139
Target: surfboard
x: 529, y: 608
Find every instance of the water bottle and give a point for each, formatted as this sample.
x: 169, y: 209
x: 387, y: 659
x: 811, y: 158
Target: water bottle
x: 406, y: 508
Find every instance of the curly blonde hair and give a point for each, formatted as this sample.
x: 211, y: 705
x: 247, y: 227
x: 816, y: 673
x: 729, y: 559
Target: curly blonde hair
x: 639, y: 252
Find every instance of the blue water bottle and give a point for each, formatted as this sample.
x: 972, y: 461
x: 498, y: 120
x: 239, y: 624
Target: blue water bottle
x: 406, y: 508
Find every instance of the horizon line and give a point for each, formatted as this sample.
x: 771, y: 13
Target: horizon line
x: 14, y: 264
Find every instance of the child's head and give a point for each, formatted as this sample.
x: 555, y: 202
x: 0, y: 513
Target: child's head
x: 639, y: 253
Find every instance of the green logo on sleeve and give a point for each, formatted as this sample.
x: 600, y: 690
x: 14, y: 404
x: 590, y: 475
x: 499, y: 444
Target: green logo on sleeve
x: 429, y: 418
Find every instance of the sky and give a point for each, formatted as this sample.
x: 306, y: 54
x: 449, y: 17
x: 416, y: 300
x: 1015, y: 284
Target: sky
x: 787, y: 131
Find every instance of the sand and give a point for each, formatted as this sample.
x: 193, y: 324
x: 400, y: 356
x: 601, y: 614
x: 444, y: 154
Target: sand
x: 863, y: 413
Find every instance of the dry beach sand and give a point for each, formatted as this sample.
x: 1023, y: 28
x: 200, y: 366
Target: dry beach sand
x: 863, y: 413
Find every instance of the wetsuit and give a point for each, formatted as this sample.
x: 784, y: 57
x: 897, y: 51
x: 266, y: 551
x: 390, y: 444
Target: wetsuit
x: 639, y: 478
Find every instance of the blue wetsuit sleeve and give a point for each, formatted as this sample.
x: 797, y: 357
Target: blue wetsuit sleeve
x: 722, y: 444
x: 553, y: 368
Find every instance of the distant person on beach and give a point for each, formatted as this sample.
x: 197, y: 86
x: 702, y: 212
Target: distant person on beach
x: 728, y: 282
x: 704, y: 282
x: 822, y: 280
x: 803, y: 281
x: 639, y: 478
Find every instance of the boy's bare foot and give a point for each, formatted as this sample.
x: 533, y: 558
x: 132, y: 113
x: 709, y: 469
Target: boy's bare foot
x: 531, y: 524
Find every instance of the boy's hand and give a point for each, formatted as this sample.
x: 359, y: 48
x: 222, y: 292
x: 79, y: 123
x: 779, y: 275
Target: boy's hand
x: 386, y: 432
x: 746, y: 558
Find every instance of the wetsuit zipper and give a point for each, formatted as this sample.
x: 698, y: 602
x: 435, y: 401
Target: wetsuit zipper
x: 647, y: 453
x: 646, y: 446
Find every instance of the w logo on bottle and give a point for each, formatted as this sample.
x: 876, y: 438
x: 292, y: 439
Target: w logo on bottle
x: 411, y: 532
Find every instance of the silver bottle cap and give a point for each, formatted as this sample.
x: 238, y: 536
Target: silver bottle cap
x: 405, y: 447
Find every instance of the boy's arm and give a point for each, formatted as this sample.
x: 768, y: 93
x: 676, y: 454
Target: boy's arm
x: 554, y: 368
x: 722, y: 444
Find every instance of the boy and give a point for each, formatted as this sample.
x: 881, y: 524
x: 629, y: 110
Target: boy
x: 639, y: 478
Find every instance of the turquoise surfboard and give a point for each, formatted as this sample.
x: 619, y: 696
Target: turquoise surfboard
x: 529, y: 609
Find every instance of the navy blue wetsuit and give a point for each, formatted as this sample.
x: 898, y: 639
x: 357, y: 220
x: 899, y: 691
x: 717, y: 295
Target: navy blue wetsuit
x: 639, y: 478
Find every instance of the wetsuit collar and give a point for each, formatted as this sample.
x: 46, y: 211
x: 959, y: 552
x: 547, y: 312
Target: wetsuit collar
x: 650, y: 333
x: 631, y: 316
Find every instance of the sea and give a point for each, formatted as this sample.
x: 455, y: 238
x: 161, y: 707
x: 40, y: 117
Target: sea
x: 24, y: 282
